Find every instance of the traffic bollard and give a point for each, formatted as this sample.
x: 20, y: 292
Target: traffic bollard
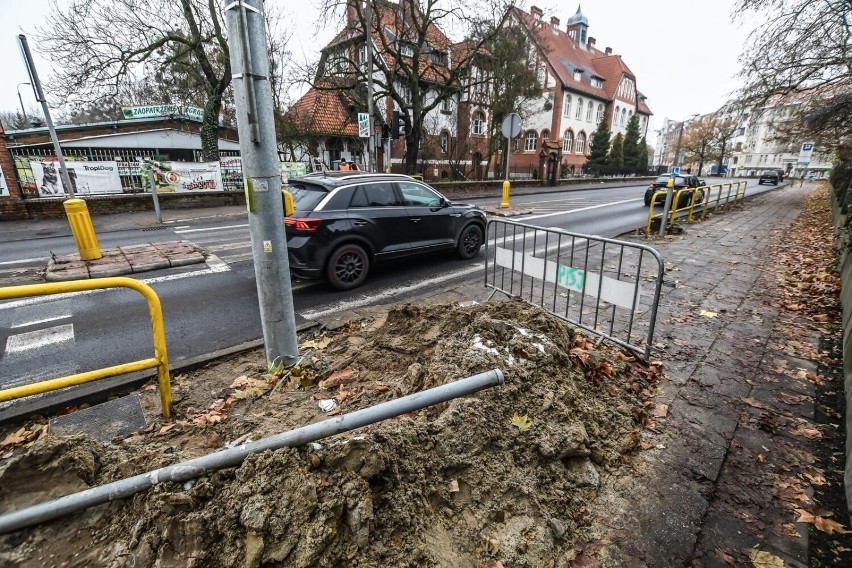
x: 505, y: 202
x: 82, y: 229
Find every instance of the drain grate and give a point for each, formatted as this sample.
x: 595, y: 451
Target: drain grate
x: 120, y: 417
x: 154, y: 228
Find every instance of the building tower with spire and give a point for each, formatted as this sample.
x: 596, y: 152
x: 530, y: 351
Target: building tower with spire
x: 578, y: 28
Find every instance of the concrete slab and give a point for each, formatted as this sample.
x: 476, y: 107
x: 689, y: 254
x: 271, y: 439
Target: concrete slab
x: 120, y: 417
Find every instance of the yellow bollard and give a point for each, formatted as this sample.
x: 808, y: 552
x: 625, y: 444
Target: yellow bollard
x: 82, y: 229
x: 505, y: 202
x: 289, y: 209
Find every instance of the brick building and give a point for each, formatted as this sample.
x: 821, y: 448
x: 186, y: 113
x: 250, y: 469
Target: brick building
x: 11, y: 205
x: 581, y: 84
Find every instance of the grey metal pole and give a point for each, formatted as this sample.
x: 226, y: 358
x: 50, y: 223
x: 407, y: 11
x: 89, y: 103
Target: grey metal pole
x: 232, y: 457
x: 39, y: 95
x: 262, y: 176
x: 156, y: 199
x: 368, y: 41
x: 21, y: 100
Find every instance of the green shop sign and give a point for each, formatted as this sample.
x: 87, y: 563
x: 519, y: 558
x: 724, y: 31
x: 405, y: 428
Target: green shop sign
x: 163, y: 111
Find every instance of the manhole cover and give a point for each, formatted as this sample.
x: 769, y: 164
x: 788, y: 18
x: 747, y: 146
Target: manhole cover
x: 120, y: 417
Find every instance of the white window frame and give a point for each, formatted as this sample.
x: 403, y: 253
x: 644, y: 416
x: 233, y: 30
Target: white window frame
x: 445, y: 142
x: 600, y: 114
x: 530, y: 139
x: 566, y: 110
x: 406, y: 50
x: 579, y: 111
x: 568, y: 142
x: 581, y: 143
x: 590, y: 106
x: 478, y: 123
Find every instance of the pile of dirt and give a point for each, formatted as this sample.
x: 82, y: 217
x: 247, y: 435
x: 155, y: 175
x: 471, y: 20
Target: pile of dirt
x: 509, y: 474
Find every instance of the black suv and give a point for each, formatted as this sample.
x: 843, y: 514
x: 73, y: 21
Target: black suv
x: 769, y: 176
x: 681, y: 181
x: 345, y: 221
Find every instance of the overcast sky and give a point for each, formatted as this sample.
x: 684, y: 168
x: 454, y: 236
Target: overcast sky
x: 684, y: 54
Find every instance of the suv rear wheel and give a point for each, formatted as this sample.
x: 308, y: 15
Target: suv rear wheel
x: 470, y: 241
x: 348, y: 267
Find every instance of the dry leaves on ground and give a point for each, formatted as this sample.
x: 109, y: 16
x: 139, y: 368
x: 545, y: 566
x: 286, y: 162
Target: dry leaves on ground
x: 523, y: 423
x: 763, y: 559
x: 822, y: 523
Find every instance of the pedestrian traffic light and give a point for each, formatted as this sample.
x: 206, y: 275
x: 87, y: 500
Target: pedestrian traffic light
x: 395, y: 125
x: 386, y: 131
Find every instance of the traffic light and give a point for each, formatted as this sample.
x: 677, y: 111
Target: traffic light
x: 395, y: 125
x: 386, y: 131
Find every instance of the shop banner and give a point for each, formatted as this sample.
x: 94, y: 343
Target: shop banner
x: 184, y: 177
x: 4, y: 185
x: 163, y: 111
x: 292, y: 169
x: 87, y: 178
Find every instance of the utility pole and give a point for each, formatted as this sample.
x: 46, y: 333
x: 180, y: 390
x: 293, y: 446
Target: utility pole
x: 368, y: 42
x: 39, y: 95
x: 262, y: 176
x: 21, y: 100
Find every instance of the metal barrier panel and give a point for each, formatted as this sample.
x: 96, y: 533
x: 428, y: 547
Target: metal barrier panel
x: 608, y: 287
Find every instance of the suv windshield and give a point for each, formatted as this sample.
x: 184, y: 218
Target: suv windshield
x: 306, y: 196
x: 664, y: 179
x: 770, y: 173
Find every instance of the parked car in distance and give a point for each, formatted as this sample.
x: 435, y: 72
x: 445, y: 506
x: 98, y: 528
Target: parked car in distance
x: 681, y: 182
x: 344, y: 222
x: 769, y: 176
x: 781, y: 174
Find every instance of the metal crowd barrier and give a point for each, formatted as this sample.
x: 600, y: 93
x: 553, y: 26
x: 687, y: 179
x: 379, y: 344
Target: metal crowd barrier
x: 608, y: 287
x: 739, y: 189
x: 160, y: 361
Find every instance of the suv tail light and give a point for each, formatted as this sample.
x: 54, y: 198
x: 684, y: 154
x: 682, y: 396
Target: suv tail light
x: 303, y: 224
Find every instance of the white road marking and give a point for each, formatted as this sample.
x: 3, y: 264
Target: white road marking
x: 216, y: 266
x: 182, y: 227
x: 530, y: 217
x: 36, y: 339
x: 228, y: 246
x: 37, y: 322
x: 43, y: 373
x: 208, y: 229
x: 23, y: 260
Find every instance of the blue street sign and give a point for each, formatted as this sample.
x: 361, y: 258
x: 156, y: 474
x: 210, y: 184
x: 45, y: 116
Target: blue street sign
x: 676, y: 170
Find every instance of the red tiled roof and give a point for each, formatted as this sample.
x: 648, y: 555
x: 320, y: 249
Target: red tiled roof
x: 321, y: 111
x: 565, y: 55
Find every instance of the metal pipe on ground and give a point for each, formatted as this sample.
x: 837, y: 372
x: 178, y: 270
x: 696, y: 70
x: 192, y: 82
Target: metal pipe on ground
x: 50, y: 510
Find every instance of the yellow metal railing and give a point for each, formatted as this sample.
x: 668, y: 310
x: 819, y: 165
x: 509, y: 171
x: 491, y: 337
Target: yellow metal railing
x: 160, y: 361
x: 739, y: 189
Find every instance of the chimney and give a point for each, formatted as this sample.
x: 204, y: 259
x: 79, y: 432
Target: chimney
x: 351, y: 15
x: 554, y: 21
x: 591, y: 42
x: 608, y: 51
x: 536, y: 12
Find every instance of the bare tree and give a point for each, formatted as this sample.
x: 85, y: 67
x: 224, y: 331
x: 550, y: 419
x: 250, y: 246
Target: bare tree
x: 724, y: 129
x: 415, y: 64
x: 699, y: 140
x: 801, y: 47
x: 105, y: 45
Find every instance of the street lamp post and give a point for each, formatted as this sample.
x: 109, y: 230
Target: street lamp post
x: 20, y: 100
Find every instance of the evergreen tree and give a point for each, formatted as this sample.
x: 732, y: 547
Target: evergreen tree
x: 631, y: 143
x: 642, y: 159
x: 598, y: 148
x: 616, y: 154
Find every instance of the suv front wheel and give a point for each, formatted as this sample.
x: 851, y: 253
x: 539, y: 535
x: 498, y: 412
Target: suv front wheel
x: 348, y: 267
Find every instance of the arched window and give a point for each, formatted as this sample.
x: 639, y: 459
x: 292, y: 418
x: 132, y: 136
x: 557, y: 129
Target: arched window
x: 624, y: 116
x: 616, y: 116
x: 589, y: 111
x: 600, y: 113
x: 478, y: 123
x: 579, y: 109
x: 629, y: 115
x: 581, y: 143
x: 445, y: 142
x: 566, y: 108
x: 545, y: 134
x: 529, y: 142
x: 568, y: 142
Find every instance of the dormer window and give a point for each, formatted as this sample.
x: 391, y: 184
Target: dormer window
x: 438, y: 58
x: 597, y: 83
x: 406, y: 50
x: 578, y: 74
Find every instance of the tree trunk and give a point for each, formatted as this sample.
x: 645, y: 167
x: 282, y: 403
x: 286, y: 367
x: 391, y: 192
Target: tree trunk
x: 721, y: 157
x: 210, y: 128
x: 412, y: 144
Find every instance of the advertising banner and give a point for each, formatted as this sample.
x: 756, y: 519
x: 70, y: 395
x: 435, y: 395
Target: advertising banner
x: 292, y: 169
x: 4, y: 185
x: 161, y: 111
x: 87, y: 178
x: 184, y: 177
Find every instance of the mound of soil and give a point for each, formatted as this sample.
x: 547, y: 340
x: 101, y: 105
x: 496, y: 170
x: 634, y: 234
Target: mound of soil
x: 509, y: 475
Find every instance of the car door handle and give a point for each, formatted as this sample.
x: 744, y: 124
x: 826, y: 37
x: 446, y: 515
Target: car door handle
x: 359, y: 222
x: 415, y: 219
x: 455, y: 215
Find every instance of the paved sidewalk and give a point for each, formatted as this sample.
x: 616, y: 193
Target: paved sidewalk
x: 130, y: 259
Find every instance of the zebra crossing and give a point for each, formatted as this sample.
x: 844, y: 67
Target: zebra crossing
x: 230, y: 243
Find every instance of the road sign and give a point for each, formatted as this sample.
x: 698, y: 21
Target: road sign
x: 805, y: 154
x: 363, y: 125
x: 676, y: 170
x: 511, y: 126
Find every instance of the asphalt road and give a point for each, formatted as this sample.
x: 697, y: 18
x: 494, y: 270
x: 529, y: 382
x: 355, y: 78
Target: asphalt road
x: 213, y: 306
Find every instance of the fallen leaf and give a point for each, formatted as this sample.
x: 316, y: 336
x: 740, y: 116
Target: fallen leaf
x: 763, y: 559
x: 724, y: 557
x: 454, y: 486
x: 830, y: 526
x: 492, y: 563
x: 166, y: 428
x: 523, y: 423
x: 660, y: 410
x: 338, y: 378
x: 815, y: 478
x: 15, y: 438
x: 810, y: 433
x: 708, y: 314
x: 755, y: 404
x: 318, y: 344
